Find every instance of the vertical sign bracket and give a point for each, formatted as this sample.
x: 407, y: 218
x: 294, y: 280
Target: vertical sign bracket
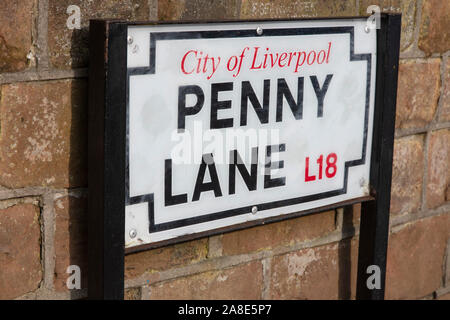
x: 374, y: 224
x: 106, y: 148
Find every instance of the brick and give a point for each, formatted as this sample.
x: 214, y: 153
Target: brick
x: 197, y: 9
x: 170, y: 9
x: 16, y: 23
x: 280, y: 233
x: 445, y: 98
x: 69, y: 48
x: 434, y: 36
x: 20, y: 264
x: 418, y: 93
x: 132, y: 294
x: 438, y: 184
x: 408, y: 10
x: 236, y: 283
x: 296, y: 8
x: 43, y: 138
x: 71, y: 232
x: 326, y: 272
x: 165, y: 258
x: 415, y: 258
x: 407, y: 172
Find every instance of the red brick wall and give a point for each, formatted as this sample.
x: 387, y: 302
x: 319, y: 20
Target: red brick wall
x: 43, y: 185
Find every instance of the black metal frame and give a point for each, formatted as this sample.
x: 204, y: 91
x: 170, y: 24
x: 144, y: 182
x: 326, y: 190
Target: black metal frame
x: 106, y: 148
x: 107, y: 161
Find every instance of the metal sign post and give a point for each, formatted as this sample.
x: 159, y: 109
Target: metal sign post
x: 324, y: 90
x: 374, y: 224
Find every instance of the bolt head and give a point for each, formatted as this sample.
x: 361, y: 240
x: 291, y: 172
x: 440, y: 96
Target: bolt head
x: 259, y: 31
x: 255, y: 210
x: 133, y: 233
x: 130, y: 40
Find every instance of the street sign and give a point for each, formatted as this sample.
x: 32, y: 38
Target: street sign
x: 197, y: 129
x: 230, y: 123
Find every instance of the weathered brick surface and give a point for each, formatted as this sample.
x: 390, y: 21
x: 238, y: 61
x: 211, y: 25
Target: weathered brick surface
x: 445, y: 98
x: 16, y: 23
x: 70, y: 239
x: 280, y: 233
x: 406, y: 7
x: 43, y: 134
x: 296, y: 8
x: 415, y: 258
x: 418, y: 93
x: 19, y: 250
x: 165, y: 258
x: 197, y: 9
x: 407, y: 173
x: 240, y: 282
x: 434, y: 36
x: 69, y: 48
x: 132, y: 294
x: 326, y: 272
x: 438, y: 184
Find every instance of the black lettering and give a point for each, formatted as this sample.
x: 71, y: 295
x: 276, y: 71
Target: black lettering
x: 217, y: 105
x: 214, y: 185
x: 249, y: 94
x: 169, y: 199
x: 184, y: 111
x: 268, y: 181
x: 320, y: 93
x: 249, y: 178
x: 283, y: 91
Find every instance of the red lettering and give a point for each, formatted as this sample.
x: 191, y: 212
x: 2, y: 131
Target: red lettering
x: 183, y: 69
x: 324, y: 56
x: 330, y: 168
x: 300, y: 53
x: 272, y: 62
x: 265, y: 59
x: 199, y: 62
x: 307, y: 176
x: 331, y: 164
x: 234, y: 64
x: 329, y: 49
x: 283, y: 57
x: 291, y: 54
x: 254, y: 59
x: 309, y: 54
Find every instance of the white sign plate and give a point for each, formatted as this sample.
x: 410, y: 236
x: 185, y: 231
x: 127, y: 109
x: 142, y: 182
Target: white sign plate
x: 234, y: 122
